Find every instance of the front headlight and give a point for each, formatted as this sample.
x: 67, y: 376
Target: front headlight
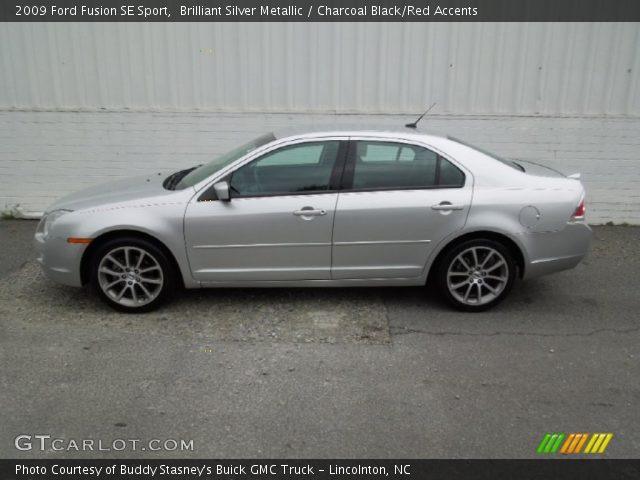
x: 49, y: 219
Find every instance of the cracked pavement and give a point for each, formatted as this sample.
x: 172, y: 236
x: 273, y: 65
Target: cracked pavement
x: 387, y: 372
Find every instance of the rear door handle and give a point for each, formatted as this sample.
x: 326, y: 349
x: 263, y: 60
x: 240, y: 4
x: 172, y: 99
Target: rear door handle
x: 447, y: 206
x: 310, y: 212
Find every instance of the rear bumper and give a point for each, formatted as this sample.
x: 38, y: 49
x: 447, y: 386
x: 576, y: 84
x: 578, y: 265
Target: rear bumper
x: 552, y: 252
x: 59, y: 260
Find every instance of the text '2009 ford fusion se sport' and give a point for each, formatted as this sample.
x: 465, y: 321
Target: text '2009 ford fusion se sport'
x: 359, y: 207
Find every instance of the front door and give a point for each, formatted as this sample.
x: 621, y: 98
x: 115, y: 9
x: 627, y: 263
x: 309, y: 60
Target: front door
x: 278, y: 223
x: 400, y: 200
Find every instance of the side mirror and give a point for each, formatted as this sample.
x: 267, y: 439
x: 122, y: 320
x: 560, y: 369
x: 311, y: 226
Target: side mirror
x: 222, y: 191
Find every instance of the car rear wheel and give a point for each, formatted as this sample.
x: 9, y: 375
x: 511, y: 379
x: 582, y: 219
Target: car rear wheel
x: 476, y: 275
x: 132, y: 275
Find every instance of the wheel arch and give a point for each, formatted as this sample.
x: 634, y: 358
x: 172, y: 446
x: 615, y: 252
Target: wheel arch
x: 508, y: 242
x: 85, y: 263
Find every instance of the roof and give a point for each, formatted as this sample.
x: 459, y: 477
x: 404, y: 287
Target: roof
x: 393, y: 130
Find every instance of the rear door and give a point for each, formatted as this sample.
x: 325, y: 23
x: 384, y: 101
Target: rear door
x: 398, y: 201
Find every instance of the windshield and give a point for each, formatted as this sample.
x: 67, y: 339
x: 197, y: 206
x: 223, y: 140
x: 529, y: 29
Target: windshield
x: 510, y: 163
x: 222, y: 161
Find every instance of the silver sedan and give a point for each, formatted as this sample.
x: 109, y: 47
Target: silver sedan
x: 332, y: 208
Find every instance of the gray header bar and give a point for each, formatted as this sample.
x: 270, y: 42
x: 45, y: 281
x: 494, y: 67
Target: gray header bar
x: 320, y: 11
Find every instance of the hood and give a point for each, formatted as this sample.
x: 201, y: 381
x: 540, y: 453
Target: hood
x: 110, y: 193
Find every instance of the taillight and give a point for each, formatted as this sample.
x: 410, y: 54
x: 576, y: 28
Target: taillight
x: 580, y: 210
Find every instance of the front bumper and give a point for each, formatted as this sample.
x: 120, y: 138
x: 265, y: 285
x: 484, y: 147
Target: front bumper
x: 60, y: 260
x: 551, y: 252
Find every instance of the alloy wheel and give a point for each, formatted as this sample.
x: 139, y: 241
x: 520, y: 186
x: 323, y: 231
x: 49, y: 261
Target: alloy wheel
x: 130, y: 276
x: 477, y: 275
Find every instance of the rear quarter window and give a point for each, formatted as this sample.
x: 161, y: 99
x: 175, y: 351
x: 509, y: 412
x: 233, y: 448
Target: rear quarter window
x: 450, y: 175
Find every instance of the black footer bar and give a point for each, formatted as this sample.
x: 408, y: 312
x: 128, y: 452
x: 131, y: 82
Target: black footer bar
x: 319, y: 469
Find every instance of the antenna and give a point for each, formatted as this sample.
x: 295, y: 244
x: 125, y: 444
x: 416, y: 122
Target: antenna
x: 415, y: 124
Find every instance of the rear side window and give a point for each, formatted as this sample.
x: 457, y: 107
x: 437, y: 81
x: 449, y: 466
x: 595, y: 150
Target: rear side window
x: 390, y: 165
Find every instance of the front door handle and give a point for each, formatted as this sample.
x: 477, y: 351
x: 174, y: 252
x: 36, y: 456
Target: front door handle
x: 447, y: 206
x: 310, y: 212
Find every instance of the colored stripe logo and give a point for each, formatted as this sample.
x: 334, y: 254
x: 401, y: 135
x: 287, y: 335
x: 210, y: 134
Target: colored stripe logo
x: 572, y: 443
x: 598, y: 443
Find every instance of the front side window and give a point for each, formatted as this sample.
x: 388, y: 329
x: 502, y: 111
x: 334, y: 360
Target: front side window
x: 389, y: 165
x: 294, y: 169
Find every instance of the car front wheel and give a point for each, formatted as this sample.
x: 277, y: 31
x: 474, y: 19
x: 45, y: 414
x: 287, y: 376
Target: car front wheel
x: 476, y: 275
x: 132, y: 275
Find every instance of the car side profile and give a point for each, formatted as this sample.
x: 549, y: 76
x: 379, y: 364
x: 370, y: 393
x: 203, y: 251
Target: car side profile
x: 359, y: 207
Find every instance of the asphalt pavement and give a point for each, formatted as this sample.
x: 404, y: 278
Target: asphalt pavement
x: 323, y: 373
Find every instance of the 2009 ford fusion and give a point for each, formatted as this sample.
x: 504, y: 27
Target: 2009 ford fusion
x: 331, y: 208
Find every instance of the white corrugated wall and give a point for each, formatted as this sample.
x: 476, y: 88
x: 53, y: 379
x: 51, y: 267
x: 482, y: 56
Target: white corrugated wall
x: 468, y: 68
x: 497, y: 82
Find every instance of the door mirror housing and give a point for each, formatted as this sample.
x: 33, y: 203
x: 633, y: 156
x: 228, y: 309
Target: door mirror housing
x: 222, y: 191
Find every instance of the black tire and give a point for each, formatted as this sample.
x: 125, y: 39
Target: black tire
x: 145, y: 288
x: 476, y: 280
